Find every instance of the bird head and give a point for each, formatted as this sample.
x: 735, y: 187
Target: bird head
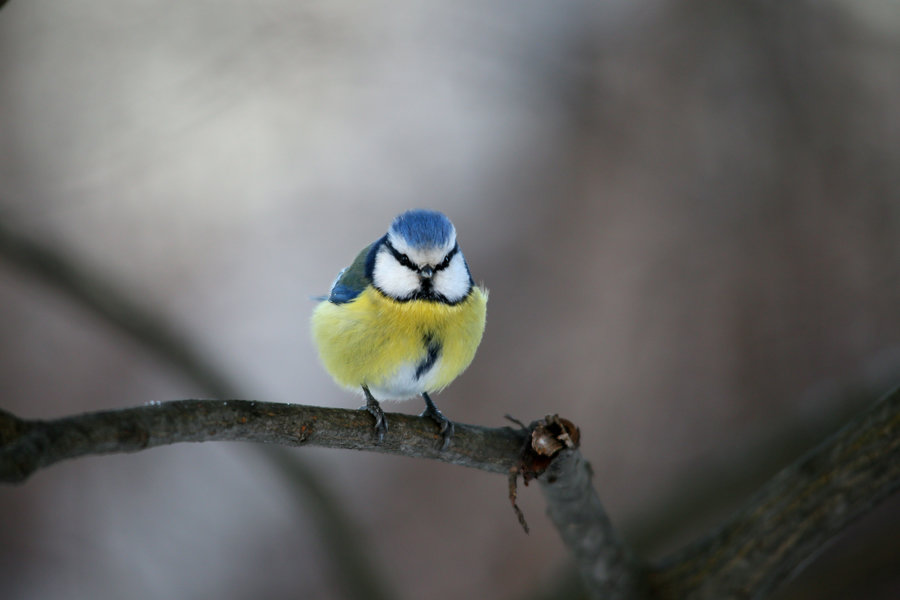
x: 419, y: 259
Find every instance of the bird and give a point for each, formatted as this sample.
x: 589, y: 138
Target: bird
x: 404, y: 319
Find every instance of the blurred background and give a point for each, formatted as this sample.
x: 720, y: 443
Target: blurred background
x: 687, y: 214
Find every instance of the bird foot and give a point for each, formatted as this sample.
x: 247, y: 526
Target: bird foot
x: 375, y: 410
x: 446, y: 425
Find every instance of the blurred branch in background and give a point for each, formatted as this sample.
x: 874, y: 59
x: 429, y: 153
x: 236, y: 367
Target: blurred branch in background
x: 795, y: 513
x: 764, y: 119
x: 709, y: 493
x: 84, y: 286
x: 786, y: 523
x: 793, y: 516
x: 352, y: 568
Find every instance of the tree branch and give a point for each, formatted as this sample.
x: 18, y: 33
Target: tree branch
x: 757, y: 550
x: 83, y: 285
x: 26, y: 446
x: 607, y: 568
x: 795, y: 514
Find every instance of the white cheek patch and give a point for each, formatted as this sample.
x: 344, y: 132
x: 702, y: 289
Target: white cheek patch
x: 453, y: 282
x: 391, y: 277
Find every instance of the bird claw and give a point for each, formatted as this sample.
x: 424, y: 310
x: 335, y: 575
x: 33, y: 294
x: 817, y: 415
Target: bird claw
x: 380, y: 421
x: 446, y: 425
x: 375, y: 410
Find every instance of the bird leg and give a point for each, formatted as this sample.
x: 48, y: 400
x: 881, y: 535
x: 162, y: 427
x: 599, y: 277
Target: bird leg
x: 438, y: 417
x: 375, y: 410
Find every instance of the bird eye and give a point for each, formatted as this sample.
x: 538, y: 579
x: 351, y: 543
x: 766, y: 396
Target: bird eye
x: 445, y: 262
x: 404, y: 260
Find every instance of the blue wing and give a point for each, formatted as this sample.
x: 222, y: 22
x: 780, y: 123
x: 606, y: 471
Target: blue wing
x: 341, y: 293
x: 351, y: 281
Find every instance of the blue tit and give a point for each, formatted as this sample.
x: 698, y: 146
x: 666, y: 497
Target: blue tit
x: 404, y: 319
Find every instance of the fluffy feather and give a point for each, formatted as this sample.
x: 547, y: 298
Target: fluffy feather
x: 405, y: 317
x: 379, y: 342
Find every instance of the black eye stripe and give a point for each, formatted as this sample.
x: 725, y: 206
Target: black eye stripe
x: 406, y: 262
x: 446, y: 262
x: 401, y: 258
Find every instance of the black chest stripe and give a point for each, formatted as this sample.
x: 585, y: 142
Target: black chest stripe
x: 434, y: 350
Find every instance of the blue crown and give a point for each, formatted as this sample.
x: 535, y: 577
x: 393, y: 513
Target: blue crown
x: 423, y: 228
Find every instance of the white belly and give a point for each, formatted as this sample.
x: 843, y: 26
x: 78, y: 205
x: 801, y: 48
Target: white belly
x: 404, y: 384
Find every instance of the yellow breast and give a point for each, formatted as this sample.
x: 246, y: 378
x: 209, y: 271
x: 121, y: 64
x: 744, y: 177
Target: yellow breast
x: 382, y: 343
